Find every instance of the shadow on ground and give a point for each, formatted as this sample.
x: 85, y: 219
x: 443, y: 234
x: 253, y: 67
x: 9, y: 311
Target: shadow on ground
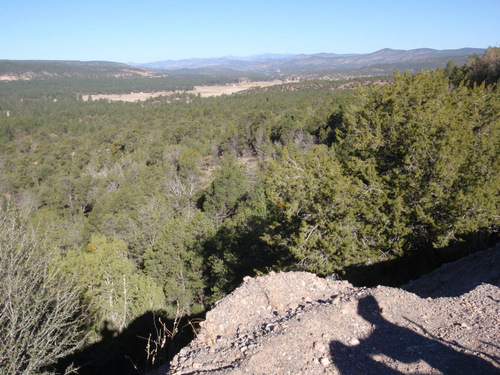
x: 126, y: 352
x: 402, y: 345
x: 455, y: 279
x: 401, y: 271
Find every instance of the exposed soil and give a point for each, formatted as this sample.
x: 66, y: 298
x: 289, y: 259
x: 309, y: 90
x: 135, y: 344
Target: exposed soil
x: 207, y: 91
x: 297, y: 323
x: 132, y: 97
x: 204, y: 91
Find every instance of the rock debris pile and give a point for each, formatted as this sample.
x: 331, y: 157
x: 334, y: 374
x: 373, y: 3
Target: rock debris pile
x: 297, y: 323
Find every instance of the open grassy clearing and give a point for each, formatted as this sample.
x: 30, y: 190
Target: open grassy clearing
x: 204, y: 91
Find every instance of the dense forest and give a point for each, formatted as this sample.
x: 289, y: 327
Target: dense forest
x: 111, y: 211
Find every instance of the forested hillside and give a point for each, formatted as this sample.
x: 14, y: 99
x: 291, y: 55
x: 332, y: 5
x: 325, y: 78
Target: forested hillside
x: 165, y: 205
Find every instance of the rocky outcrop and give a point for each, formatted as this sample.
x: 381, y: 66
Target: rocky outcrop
x: 297, y: 323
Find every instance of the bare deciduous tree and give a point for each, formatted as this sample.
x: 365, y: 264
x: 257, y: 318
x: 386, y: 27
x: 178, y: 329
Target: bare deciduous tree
x: 40, y: 314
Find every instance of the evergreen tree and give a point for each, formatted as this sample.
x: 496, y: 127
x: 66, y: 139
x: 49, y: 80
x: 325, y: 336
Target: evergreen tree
x: 228, y: 187
x: 485, y: 68
x: 432, y: 151
x: 111, y: 287
x: 176, y: 262
x: 316, y: 212
x: 414, y: 166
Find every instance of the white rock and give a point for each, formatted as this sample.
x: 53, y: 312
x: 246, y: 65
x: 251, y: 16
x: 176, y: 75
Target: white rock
x: 354, y: 342
x: 324, y: 361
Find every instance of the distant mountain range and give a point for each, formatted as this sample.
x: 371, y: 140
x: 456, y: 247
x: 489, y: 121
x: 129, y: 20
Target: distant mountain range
x: 276, y: 62
x: 383, y: 62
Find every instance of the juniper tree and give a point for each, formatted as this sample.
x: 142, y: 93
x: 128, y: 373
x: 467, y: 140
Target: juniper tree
x: 414, y: 165
x: 433, y: 151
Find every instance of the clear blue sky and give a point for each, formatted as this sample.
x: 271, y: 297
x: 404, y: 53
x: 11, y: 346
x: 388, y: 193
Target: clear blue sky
x: 152, y: 30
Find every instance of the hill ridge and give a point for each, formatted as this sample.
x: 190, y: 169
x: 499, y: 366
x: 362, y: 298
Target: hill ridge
x: 382, y: 62
x: 324, y: 60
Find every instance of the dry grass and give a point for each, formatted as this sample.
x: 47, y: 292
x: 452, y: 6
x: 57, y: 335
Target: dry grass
x: 204, y: 91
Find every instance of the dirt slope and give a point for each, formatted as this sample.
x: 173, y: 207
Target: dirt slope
x: 297, y: 323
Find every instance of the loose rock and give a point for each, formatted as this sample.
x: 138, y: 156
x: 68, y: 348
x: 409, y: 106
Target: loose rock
x: 448, y: 324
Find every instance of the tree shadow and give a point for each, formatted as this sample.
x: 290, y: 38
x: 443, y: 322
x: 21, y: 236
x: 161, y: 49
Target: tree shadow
x: 409, y: 268
x: 460, y: 277
x: 401, y: 345
x: 127, y: 352
x: 241, y: 251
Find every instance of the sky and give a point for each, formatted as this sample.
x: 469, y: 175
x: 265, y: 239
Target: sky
x: 143, y: 31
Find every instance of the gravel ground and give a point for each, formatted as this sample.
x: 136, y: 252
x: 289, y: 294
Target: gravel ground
x: 447, y: 322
